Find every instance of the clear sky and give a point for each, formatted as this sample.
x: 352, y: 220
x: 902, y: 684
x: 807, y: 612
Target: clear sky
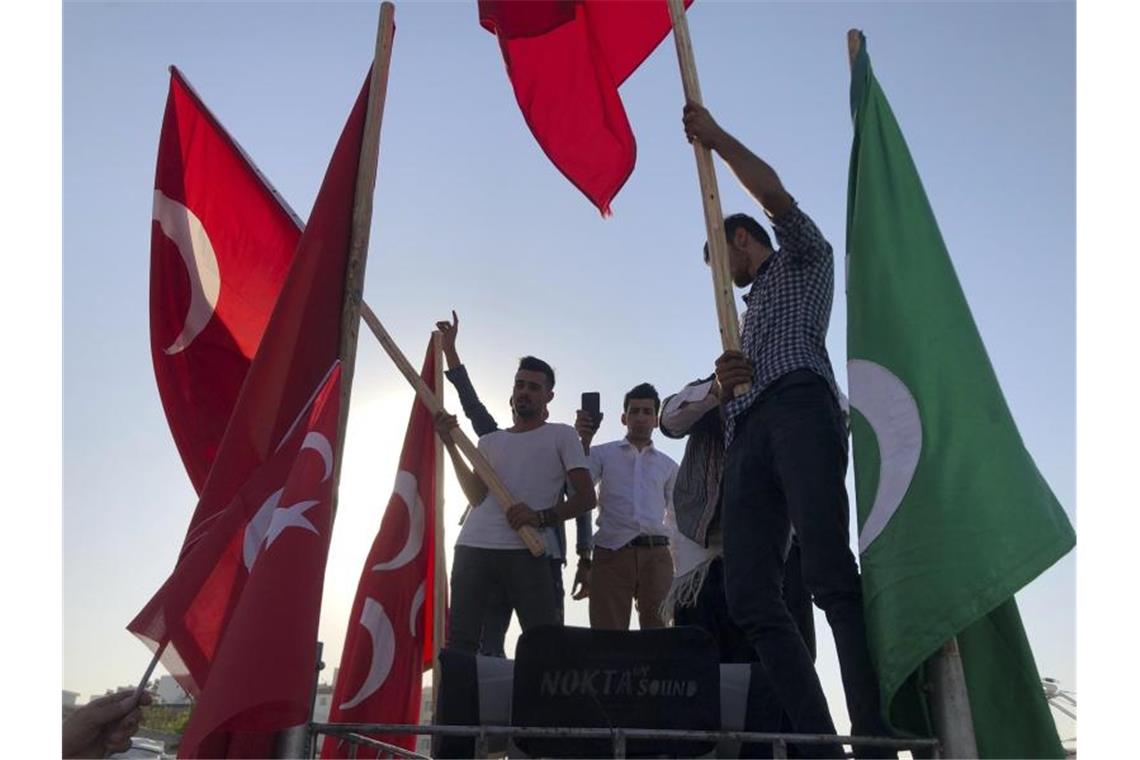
x: 469, y: 214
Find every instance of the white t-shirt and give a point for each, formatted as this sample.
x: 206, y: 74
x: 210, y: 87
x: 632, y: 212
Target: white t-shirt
x: 533, y: 466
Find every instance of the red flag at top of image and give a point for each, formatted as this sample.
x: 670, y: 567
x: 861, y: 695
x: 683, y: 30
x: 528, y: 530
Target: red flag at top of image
x: 566, y: 60
x: 221, y: 245
x: 389, y: 642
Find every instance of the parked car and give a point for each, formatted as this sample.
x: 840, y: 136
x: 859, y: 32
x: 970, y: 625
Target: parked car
x: 144, y: 748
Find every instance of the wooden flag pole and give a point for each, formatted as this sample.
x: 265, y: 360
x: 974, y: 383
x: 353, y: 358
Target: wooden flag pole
x: 292, y: 742
x: 478, y: 462
x: 710, y: 195
x: 439, y: 582
x: 362, y: 222
x: 950, y: 701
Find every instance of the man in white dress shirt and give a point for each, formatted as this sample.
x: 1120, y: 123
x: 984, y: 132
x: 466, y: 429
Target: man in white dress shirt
x: 631, y: 547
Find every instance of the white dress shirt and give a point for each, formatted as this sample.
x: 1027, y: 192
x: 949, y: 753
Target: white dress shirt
x: 636, y: 491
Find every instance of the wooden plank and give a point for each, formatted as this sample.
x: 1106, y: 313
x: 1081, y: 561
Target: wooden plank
x: 362, y: 222
x: 723, y: 297
x: 478, y: 462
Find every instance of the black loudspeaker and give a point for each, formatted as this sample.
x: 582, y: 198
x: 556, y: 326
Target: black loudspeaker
x: 578, y: 677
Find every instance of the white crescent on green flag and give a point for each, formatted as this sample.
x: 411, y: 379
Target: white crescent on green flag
x: 954, y: 517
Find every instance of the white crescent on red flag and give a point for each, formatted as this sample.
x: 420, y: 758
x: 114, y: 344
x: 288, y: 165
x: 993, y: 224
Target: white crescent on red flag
x: 389, y: 642
x: 192, y: 614
x: 221, y: 244
x: 265, y: 604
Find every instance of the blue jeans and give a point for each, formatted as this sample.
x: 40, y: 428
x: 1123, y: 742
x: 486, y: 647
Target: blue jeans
x: 785, y: 467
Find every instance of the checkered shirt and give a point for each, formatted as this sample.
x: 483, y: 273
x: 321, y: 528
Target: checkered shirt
x: 789, y: 306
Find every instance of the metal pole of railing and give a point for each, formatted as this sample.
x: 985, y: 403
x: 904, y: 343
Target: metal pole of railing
x: 481, y: 743
x: 619, y: 743
x: 780, y: 749
x: 487, y: 731
x: 951, y: 702
x: 297, y: 742
x: 391, y: 749
x: 310, y: 734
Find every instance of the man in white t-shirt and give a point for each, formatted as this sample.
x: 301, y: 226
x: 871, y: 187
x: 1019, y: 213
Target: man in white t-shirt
x: 534, y: 459
x: 631, y: 547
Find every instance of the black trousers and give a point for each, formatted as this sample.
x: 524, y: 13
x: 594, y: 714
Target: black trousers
x: 478, y: 575
x: 786, y: 467
x: 497, y: 618
x: 710, y: 611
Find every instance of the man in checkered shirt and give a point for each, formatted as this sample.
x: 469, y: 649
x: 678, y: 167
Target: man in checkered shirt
x: 786, y: 444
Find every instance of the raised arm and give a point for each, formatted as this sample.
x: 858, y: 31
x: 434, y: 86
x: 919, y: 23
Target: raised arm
x: 474, y: 409
x: 585, y: 425
x: 758, y: 178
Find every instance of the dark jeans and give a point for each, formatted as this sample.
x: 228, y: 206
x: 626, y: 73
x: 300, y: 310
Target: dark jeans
x: 524, y: 580
x: 710, y: 612
x: 497, y: 618
x: 786, y: 467
x: 797, y: 598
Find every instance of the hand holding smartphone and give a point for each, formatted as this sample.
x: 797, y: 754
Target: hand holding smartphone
x: 589, y: 416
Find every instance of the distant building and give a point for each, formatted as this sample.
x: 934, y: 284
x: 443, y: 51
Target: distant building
x: 170, y: 693
x: 69, y: 698
x: 423, y: 741
x: 323, y: 703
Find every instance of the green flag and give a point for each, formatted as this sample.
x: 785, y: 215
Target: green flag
x: 954, y: 517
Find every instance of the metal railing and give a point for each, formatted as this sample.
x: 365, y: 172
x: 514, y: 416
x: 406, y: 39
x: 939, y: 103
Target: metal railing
x: 354, y: 733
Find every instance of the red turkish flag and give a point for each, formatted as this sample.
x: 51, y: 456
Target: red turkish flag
x: 566, y: 60
x: 221, y: 245
x: 266, y: 584
x: 390, y: 635
x: 300, y: 343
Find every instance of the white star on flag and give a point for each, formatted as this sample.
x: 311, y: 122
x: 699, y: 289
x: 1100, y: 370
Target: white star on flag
x: 289, y: 517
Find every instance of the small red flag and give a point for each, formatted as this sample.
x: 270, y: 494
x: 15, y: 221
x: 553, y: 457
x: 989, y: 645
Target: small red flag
x: 221, y: 245
x: 191, y: 611
x: 267, y: 582
x: 390, y: 635
x: 566, y: 60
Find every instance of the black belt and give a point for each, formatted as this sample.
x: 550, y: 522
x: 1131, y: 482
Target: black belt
x: 647, y: 540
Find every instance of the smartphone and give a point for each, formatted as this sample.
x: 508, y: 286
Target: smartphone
x: 592, y: 404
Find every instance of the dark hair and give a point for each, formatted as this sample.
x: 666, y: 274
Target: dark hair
x: 751, y: 226
x: 645, y: 390
x: 531, y: 364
